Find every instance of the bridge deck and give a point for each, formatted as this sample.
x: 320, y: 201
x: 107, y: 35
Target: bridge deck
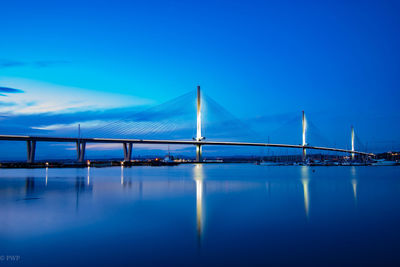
x: 171, y: 142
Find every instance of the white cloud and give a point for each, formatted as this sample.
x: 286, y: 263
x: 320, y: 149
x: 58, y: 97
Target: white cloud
x: 63, y: 126
x: 41, y: 97
x: 130, y: 127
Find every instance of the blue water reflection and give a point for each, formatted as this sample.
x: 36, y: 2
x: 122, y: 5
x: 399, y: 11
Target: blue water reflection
x: 201, y: 215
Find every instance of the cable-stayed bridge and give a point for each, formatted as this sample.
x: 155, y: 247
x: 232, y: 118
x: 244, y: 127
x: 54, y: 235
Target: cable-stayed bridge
x: 143, y: 129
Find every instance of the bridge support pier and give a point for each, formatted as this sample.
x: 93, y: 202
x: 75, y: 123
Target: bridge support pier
x: 31, y: 149
x: 127, y: 151
x: 80, y: 149
x: 199, y: 151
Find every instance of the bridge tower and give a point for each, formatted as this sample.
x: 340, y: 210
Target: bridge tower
x: 304, y: 135
x: 198, y: 133
x: 352, y: 142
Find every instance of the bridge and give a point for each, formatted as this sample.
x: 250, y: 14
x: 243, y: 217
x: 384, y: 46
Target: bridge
x: 199, y: 141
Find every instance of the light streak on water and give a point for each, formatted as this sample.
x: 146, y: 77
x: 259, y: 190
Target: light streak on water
x: 88, y: 175
x: 199, y: 177
x: 122, y: 174
x: 354, y: 182
x: 305, y: 181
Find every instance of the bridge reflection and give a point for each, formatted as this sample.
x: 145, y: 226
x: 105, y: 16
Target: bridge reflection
x: 353, y: 173
x: 292, y: 193
x: 199, y: 179
x: 305, y: 181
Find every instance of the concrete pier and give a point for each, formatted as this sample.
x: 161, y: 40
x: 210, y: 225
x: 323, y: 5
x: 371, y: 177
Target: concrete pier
x: 80, y: 149
x: 199, y: 157
x: 31, y: 149
x: 127, y: 151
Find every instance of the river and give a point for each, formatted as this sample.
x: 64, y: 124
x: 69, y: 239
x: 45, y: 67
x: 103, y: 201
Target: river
x: 210, y: 214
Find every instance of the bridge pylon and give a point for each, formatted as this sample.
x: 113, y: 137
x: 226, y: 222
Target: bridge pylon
x: 352, y: 142
x: 304, y: 123
x: 198, y: 132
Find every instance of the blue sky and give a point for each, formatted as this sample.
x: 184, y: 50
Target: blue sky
x: 264, y: 61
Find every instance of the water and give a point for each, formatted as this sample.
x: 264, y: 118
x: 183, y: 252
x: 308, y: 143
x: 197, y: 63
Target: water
x: 200, y: 215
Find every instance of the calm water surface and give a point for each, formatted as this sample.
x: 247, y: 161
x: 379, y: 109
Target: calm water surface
x: 232, y: 214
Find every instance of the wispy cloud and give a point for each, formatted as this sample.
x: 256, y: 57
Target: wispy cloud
x: 49, y: 63
x: 7, y: 90
x: 40, y: 97
x: 5, y: 63
x: 63, y: 126
x: 6, y: 104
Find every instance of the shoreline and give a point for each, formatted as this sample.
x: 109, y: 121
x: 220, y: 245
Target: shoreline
x: 99, y: 164
x: 153, y: 163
